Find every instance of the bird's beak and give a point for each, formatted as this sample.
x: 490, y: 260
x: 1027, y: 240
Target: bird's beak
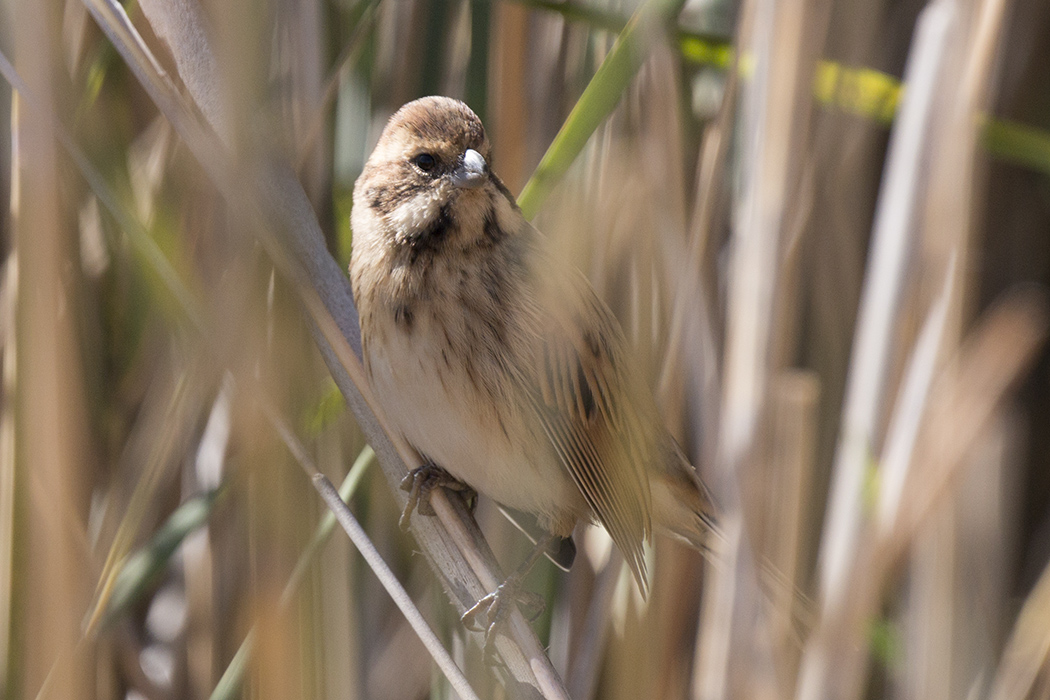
x: 472, y: 170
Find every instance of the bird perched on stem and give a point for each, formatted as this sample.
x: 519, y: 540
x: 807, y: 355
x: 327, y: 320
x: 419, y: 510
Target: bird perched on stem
x: 498, y: 363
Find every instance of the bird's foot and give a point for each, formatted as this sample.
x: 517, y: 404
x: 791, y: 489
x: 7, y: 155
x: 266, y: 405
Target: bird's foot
x: 498, y: 605
x: 422, y: 481
x: 492, y: 612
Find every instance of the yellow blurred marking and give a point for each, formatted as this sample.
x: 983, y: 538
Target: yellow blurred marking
x: 874, y: 95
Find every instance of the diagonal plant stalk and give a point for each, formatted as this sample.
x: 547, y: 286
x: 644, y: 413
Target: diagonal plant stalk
x: 341, y: 513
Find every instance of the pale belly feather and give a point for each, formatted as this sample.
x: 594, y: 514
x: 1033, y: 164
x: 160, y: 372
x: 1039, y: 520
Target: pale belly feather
x: 441, y: 415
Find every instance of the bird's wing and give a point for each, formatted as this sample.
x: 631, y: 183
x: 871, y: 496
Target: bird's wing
x: 584, y: 397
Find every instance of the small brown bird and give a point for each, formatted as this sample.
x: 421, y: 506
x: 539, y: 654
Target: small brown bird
x: 497, y: 363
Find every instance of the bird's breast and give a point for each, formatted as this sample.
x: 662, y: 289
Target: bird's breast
x: 444, y: 382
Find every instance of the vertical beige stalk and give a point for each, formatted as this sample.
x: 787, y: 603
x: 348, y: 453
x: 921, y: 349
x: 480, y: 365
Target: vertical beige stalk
x: 510, y: 110
x: 775, y: 104
x: 53, y: 583
x: 7, y: 461
x: 794, y: 396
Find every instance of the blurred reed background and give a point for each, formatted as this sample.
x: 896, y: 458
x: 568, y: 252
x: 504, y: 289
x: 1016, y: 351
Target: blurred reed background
x: 837, y: 293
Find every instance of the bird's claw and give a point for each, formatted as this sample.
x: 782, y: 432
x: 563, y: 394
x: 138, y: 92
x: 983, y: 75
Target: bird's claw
x: 495, y: 608
x: 421, y: 482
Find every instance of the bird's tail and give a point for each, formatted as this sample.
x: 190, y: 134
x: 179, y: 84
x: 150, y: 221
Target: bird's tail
x: 684, y: 513
x: 683, y: 506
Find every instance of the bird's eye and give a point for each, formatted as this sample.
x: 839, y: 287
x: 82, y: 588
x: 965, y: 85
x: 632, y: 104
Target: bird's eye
x: 425, y: 162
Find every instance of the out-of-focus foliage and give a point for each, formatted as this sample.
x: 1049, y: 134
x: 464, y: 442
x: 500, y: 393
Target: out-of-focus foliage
x: 834, y: 284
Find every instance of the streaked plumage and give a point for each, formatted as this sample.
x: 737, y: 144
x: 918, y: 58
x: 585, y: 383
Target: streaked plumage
x: 497, y: 362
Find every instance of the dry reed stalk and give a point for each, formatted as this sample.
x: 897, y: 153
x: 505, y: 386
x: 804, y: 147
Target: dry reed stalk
x: 510, y: 111
x: 8, y: 473
x: 891, y: 246
x: 947, y: 231
x: 52, y: 445
x: 781, y: 42
x: 794, y: 401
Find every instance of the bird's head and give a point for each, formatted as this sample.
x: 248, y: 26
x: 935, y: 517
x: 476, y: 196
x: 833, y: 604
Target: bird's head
x: 428, y: 180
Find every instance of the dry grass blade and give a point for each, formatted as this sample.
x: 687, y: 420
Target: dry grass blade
x: 181, y: 24
x: 343, y: 64
x: 795, y: 397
